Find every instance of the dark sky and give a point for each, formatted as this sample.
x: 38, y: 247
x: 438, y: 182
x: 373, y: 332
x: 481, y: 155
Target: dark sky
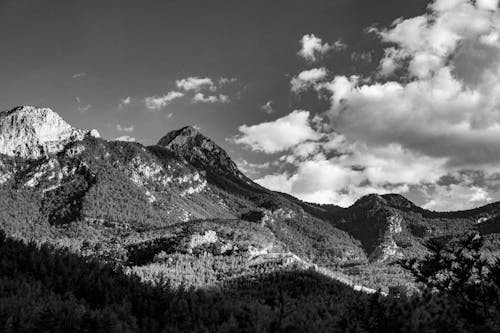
x: 139, y: 48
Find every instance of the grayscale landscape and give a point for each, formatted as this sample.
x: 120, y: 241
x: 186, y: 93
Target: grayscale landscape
x: 221, y: 166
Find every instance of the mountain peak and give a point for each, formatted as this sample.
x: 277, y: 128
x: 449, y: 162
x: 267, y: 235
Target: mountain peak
x: 31, y: 132
x: 186, y: 133
x: 190, y: 144
x: 392, y: 200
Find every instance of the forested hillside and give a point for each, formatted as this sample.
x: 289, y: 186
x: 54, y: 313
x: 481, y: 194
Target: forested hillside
x: 43, y: 289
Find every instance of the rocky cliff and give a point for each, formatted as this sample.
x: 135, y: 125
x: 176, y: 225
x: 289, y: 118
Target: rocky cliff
x: 31, y: 132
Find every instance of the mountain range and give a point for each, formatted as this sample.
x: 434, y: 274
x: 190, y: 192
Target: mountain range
x: 182, y: 210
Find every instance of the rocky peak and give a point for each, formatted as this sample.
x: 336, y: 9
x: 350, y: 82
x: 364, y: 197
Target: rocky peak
x: 31, y: 132
x: 373, y: 201
x: 398, y: 201
x: 370, y: 201
x: 189, y: 144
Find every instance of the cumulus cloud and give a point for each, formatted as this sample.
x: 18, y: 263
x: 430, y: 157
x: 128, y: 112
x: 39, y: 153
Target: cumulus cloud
x: 196, y: 84
x: 159, y: 102
x: 252, y: 169
x: 278, y: 135
x: 227, y: 80
x: 456, y: 197
x: 268, y: 107
x: 205, y: 89
x: 128, y: 129
x: 312, y: 47
x: 124, y: 102
x: 352, y: 171
x: 449, y: 106
x: 125, y: 138
x: 82, y: 107
x: 78, y: 75
x: 430, y: 111
x: 307, y: 79
x: 201, y: 98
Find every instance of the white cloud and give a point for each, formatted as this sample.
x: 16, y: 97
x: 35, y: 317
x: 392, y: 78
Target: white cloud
x: 312, y: 47
x: 456, y: 197
x: 354, y: 171
x: 431, y: 111
x: 124, y: 102
x: 157, y: 103
x: 252, y: 169
x: 128, y: 129
x: 227, y: 80
x: 80, y: 107
x: 487, y: 4
x: 268, y: 107
x: 278, y: 135
x: 84, y: 108
x: 201, y: 98
x: 125, y: 138
x: 449, y: 107
x: 308, y: 78
x: 196, y: 84
x: 78, y: 75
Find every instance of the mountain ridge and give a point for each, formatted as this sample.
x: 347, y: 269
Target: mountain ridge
x: 121, y: 201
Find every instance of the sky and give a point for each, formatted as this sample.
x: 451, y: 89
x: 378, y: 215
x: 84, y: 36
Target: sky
x: 325, y: 100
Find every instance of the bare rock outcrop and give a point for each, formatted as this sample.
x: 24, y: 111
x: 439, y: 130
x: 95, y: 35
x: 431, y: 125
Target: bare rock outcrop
x: 33, y: 132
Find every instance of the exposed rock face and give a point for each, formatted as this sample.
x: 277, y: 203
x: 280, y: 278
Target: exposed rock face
x: 32, y: 132
x: 196, y: 148
x: 388, y: 249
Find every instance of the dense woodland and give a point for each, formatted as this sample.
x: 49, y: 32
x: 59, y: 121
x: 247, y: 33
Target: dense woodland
x: 52, y: 290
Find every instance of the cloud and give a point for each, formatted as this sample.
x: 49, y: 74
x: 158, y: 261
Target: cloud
x: 124, y: 102
x: 278, y: 135
x: 227, y: 80
x: 339, y: 172
x: 252, y: 169
x: 308, y: 78
x: 456, y: 197
x: 428, y: 114
x: 80, y: 107
x: 157, y: 103
x: 125, y: 138
x: 312, y: 47
x: 362, y: 56
x: 205, y: 89
x: 201, y: 98
x: 84, y: 108
x: 78, y: 75
x: 196, y: 84
x: 121, y: 128
x: 268, y: 107
x: 449, y: 106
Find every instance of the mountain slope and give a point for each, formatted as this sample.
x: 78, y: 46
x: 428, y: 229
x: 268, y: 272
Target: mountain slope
x: 145, y: 207
x: 90, y: 191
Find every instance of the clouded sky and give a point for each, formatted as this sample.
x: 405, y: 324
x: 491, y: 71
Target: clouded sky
x: 327, y: 100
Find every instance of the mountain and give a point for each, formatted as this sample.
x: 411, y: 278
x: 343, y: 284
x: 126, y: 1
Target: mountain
x: 190, y: 144
x: 122, y: 201
x: 161, y: 210
x: 31, y: 132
